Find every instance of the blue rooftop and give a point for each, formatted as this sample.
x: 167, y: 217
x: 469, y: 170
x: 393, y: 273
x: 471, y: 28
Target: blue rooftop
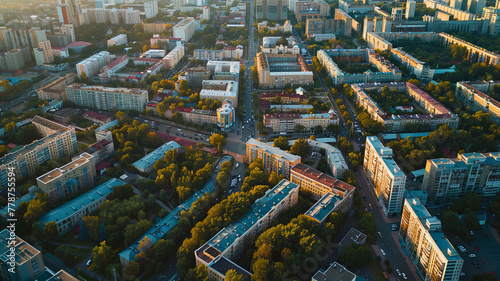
x: 68, y: 209
x: 25, y: 198
x: 107, y: 125
x: 324, y: 207
x: 152, y: 157
x: 160, y: 229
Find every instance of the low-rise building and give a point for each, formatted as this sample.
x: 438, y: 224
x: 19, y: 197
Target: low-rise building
x: 69, y: 214
x: 336, y: 161
x: 146, y: 163
x: 207, y: 54
x: 99, y: 150
x: 107, y: 98
x: 278, y: 70
x: 272, y: 45
x: 72, y: 178
x: 274, y: 159
x: 220, y: 90
x: 336, y: 272
x: 62, y: 115
x: 226, y: 115
x: 286, y: 122
x: 96, y: 117
x: 418, y: 68
x: 353, y: 236
x: 197, y: 116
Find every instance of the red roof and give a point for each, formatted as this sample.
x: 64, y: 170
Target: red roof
x: 116, y: 62
x: 147, y: 59
x: 183, y: 109
x: 95, y: 115
x: 78, y: 44
x: 180, y: 141
x: 103, y: 165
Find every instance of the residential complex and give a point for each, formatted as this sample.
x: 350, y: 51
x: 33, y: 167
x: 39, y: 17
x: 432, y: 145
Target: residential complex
x: 271, y: 9
x: 70, y: 213
x: 57, y: 88
x: 184, y: 29
x: 99, y: 150
x: 57, y: 141
x: 229, y: 243
x: 387, y: 72
x: 173, y: 57
x: 106, y: 98
x: 224, y: 70
x: 333, y: 195
x: 146, y: 163
x: 118, y: 40
x: 336, y: 161
x: 311, y: 9
x: 436, y: 114
x: 273, y: 158
x: 277, y: 70
x: 287, y: 122
x: 336, y: 272
x: 272, y: 45
x: 425, y: 244
x: 91, y: 66
x: 475, y: 95
x: 418, y: 68
x: 226, y: 115
x: 446, y: 179
x: 385, y: 175
x: 220, y: 90
x: 197, y: 116
x: 70, y: 179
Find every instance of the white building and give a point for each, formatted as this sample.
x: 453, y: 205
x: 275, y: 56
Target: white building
x: 206, y: 13
x: 385, y: 175
x: 61, y: 52
x: 106, y: 98
x: 184, y: 29
x: 172, y: 58
x: 220, y: 90
x: 118, y: 40
x: 410, y: 9
x: 91, y: 66
x: 151, y: 8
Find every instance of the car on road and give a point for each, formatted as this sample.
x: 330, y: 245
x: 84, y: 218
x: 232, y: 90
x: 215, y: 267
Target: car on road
x: 382, y: 251
x: 89, y: 262
x: 364, y: 197
x: 370, y: 205
x: 404, y: 276
x: 399, y: 272
x: 462, y: 274
x: 462, y: 249
x: 237, y: 165
x: 379, y: 234
x: 472, y: 256
x: 478, y: 265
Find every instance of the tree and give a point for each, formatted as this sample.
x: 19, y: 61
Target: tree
x: 451, y: 222
x: 50, y: 232
x: 103, y: 255
x: 281, y: 143
x: 274, y: 178
x: 184, y: 85
x: 300, y: 147
x: 84, y: 231
x: 299, y: 128
x: 232, y: 275
x: 312, y: 137
x: 261, y: 127
x: 471, y: 221
x: 218, y: 141
x: 131, y: 270
x: 92, y: 223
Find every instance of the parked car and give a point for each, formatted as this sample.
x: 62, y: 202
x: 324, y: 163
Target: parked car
x: 89, y: 262
x: 404, y: 276
x: 399, y: 272
x: 472, y: 256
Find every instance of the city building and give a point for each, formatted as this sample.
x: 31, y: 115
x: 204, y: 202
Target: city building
x: 69, y: 214
x: 476, y: 6
x: 457, y: 13
x: 60, y: 52
x: 106, y: 98
x: 96, y: 117
x: 92, y: 65
x: 57, y: 88
x: 146, y: 163
x: 184, y: 29
x: 336, y: 272
x: 220, y: 90
x: 419, y: 68
x: 195, y: 76
x: 397, y: 14
x: 277, y: 70
x: 57, y: 141
x: 446, y: 179
x: 271, y: 9
x: 224, y: 70
x: 173, y: 57
x: 226, y: 115
x: 206, y: 13
x: 492, y: 18
x: 197, y: 116
x: 474, y: 95
x: 291, y: 108
x: 12, y: 60
x: 333, y: 195
x: 273, y: 158
x: 298, y: 97
x: 151, y: 8
x: 387, y: 178
x: 69, y: 12
x: 286, y: 27
x: 311, y: 9
x: 272, y: 45
x: 154, y: 27
x: 99, y: 150
x: 230, y: 242
x: 425, y: 244
x: 287, y: 122
x: 207, y: 54
x: 112, y: 16
x: 62, y: 115
x: 354, y: 236
x: 336, y: 161
x: 70, y: 179
x: 436, y: 115
x: 411, y: 5
x: 118, y: 40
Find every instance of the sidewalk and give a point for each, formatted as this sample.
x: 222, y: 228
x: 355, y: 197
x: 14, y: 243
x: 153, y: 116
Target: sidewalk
x: 395, y: 236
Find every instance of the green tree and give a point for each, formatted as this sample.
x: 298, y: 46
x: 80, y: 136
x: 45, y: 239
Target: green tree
x: 183, y: 85
x: 281, y: 143
x: 451, y: 222
x: 103, y: 255
x: 218, y: 141
x: 232, y: 275
x: 50, y: 232
x: 274, y: 178
x: 300, y: 147
x: 131, y: 270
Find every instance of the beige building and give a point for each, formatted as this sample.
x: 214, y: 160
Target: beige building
x: 155, y: 28
x: 387, y: 179
x: 57, y: 88
x: 472, y: 94
x: 220, y: 90
x: 107, y: 98
x: 427, y: 247
x: 274, y: 159
x: 173, y: 57
x: 196, y: 116
x: 286, y: 122
x: 70, y: 179
x: 277, y: 70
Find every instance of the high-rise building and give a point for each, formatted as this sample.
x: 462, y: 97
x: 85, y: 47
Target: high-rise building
x: 410, y: 9
x: 271, y: 9
x: 475, y: 6
x: 106, y: 98
x: 184, y: 29
x: 27, y: 260
x: 387, y: 178
x: 91, y: 66
x: 69, y: 12
x: 47, y: 51
x: 57, y: 141
x: 206, y: 13
x: 273, y: 158
x: 72, y: 178
x: 99, y: 4
x: 226, y: 115
x: 492, y: 17
x: 397, y: 13
x: 151, y: 8
x: 434, y: 256
x: 12, y: 60
x: 446, y: 178
x: 457, y: 4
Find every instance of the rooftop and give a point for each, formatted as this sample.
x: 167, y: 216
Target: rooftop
x: 386, y: 154
x: 353, y: 235
x: 57, y: 172
x: 68, y: 209
x: 273, y: 150
x: 78, y: 44
x: 337, y: 186
x: 324, y: 207
x: 107, y: 89
x: 336, y: 272
x: 156, y: 154
x: 97, y: 116
x: 223, y: 265
x: 23, y: 250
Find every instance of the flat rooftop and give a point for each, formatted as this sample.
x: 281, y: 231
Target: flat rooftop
x: 336, y: 272
x: 23, y: 250
x: 107, y: 89
x: 273, y: 150
x: 57, y: 172
x: 324, y: 207
x: 156, y: 154
x: 353, y: 235
x: 337, y: 186
x: 223, y: 265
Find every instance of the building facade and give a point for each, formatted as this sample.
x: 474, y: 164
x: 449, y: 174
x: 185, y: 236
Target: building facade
x: 173, y: 57
x: 385, y: 175
x: 56, y: 89
x: 277, y: 70
x: 184, y: 29
x: 271, y: 9
x: 118, y: 40
x: 472, y: 94
x: 106, y: 98
x: 274, y: 159
x: 226, y: 115
x: 146, y: 163
x: 286, y: 122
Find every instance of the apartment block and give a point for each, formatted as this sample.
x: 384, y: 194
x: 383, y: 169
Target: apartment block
x: 69, y: 214
x: 106, y: 98
x: 184, y: 29
x: 333, y: 195
x: 311, y: 9
x: 410, y: 9
x: 271, y: 45
x: 173, y: 57
x: 206, y: 54
x: 336, y: 161
x: 92, y: 65
x: 271, y: 9
x: 28, y: 261
x: 474, y: 95
x: 273, y: 158
x: 154, y: 27
x: 425, y: 244
x: 286, y: 122
x: 277, y: 70
x: 12, y: 60
x: 57, y: 141
x: 118, y: 40
x: 69, y: 179
x: 195, y: 76
x: 146, y: 163
x: 385, y: 175
x: 99, y: 150
x: 446, y: 179
x: 422, y: 70
x: 151, y: 8
x: 220, y: 90
x: 229, y: 243
x: 226, y: 115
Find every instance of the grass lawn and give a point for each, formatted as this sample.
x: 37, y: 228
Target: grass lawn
x: 377, y: 271
x: 68, y: 239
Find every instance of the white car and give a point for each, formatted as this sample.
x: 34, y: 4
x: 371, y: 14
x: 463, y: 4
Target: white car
x: 404, y: 276
x: 382, y: 251
x: 472, y: 256
x: 89, y: 262
x: 399, y: 272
